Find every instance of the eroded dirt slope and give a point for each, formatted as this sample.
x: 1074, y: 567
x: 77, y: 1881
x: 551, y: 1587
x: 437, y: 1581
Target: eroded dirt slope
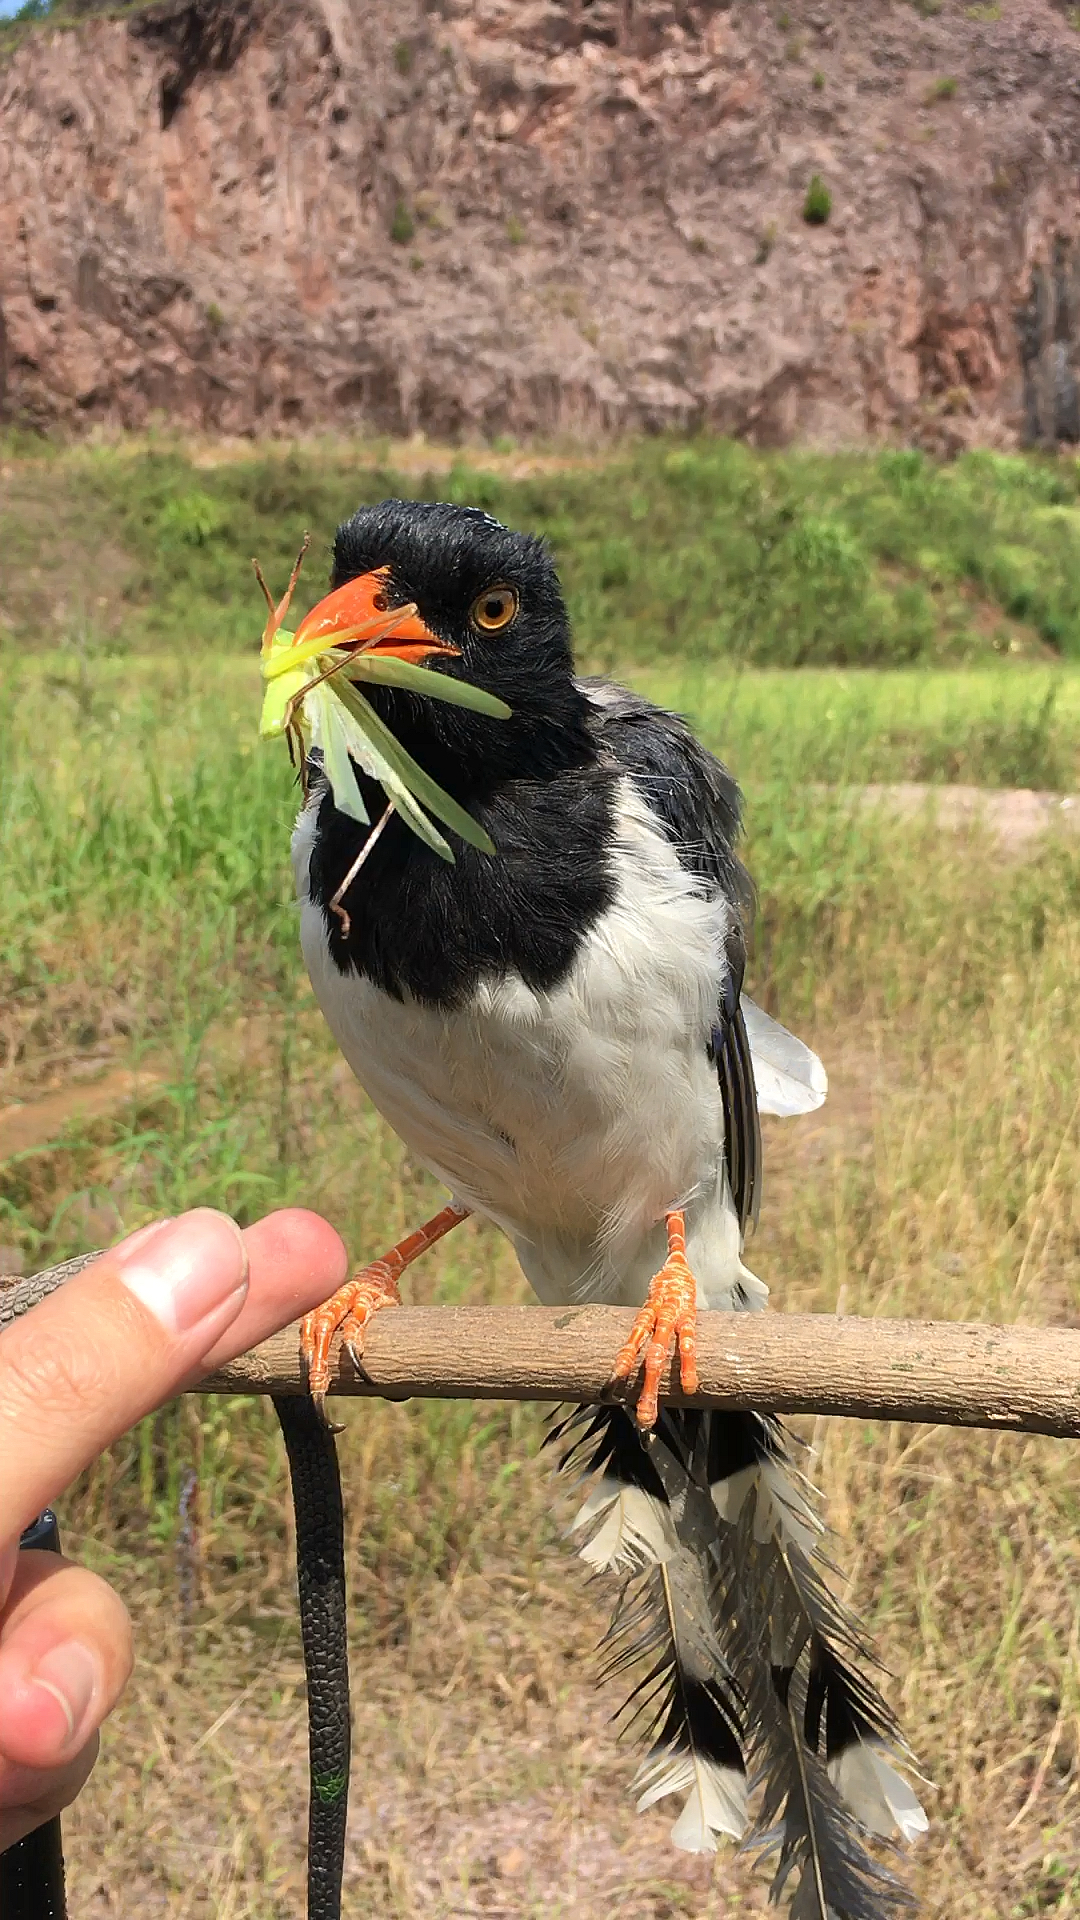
x: 552, y: 214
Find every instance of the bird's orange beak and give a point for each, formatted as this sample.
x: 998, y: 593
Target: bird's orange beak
x: 358, y: 616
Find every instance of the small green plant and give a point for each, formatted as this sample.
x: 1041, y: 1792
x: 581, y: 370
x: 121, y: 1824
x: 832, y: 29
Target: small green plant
x: 699, y: 244
x: 515, y: 230
x: 1073, y: 18
x: 766, y: 242
x: 215, y: 317
x: 403, y: 57
x: 990, y: 11
x: 783, y: 20
x: 943, y: 88
x: 818, y: 81
x: 957, y: 399
x: 818, y: 203
x: 794, y: 48
x: 416, y: 262
x: 402, y: 224
x: 431, y: 211
x: 927, y: 9
x: 190, y: 519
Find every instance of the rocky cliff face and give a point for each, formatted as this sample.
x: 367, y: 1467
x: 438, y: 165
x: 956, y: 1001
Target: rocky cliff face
x: 540, y: 215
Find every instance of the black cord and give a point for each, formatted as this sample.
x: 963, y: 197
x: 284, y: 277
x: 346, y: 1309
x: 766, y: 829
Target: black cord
x: 32, y: 1871
x: 320, y: 1579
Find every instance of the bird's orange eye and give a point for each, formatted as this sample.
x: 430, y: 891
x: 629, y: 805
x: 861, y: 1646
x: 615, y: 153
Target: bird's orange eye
x: 494, y: 609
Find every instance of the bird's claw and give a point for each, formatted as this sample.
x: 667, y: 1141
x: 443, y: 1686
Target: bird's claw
x: 316, y: 1396
x: 347, y: 1314
x: 668, y: 1319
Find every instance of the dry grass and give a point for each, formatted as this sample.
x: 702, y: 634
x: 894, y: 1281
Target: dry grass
x: 940, y: 985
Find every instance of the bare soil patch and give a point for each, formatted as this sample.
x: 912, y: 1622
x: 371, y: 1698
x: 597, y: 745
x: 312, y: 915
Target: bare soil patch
x: 1015, y: 816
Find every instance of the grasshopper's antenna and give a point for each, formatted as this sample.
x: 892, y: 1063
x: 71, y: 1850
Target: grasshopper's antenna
x: 267, y: 595
x: 294, y: 577
x: 277, y: 613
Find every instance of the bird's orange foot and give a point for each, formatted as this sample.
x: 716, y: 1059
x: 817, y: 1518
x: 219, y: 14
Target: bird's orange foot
x: 669, y: 1317
x: 347, y: 1312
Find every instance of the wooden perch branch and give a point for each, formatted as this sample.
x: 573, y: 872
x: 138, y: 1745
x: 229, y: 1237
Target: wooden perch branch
x: 946, y: 1373
x: 1023, y: 1379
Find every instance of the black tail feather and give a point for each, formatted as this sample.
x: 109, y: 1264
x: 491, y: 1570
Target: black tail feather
x: 750, y: 1661
x: 684, y: 1704
x: 801, y: 1818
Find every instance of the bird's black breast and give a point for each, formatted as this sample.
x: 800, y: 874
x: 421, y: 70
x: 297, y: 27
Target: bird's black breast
x: 422, y: 928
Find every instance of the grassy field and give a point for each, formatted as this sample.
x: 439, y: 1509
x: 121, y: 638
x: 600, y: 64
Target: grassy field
x: 694, y: 551
x: 148, y: 949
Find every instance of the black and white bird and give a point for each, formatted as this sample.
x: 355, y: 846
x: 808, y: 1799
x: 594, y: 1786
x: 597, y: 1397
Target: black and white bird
x: 558, y: 1032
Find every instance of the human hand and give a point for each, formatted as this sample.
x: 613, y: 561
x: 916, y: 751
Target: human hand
x: 141, y: 1324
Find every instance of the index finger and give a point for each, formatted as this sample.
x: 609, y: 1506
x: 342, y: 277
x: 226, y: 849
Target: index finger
x: 110, y: 1345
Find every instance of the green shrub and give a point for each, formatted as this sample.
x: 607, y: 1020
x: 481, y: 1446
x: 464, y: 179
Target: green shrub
x: 702, y: 549
x: 818, y: 203
x: 190, y: 520
x: 402, y: 224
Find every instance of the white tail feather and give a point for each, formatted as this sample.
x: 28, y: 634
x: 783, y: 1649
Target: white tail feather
x: 637, y: 1531
x: 877, y: 1794
x: 789, y: 1078
x: 780, y: 1513
x: 716, y: 1802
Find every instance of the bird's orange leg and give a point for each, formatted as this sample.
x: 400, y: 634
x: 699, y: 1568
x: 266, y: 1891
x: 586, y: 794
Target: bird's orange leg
x: 669, y: 1316
x: 348, y: 1310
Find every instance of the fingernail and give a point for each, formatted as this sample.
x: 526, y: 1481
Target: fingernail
x: 188, y: 1269
x: 70, y: 1673
x: 141, y: 1236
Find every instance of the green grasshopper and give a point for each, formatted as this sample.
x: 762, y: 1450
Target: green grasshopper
x: 313, y: 697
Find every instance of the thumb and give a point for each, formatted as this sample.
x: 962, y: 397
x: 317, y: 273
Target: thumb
x: 106, y: 1348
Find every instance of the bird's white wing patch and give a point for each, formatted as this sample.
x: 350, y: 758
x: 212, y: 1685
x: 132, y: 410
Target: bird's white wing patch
x: 789, y: 1078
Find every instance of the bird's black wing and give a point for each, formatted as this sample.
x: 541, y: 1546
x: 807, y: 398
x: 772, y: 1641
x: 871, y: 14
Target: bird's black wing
x: 729, y: 1046
x: 700, y: 805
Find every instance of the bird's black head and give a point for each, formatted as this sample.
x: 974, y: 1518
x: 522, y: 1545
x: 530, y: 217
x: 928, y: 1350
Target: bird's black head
x: 481, y: 603
x: 492, y: 596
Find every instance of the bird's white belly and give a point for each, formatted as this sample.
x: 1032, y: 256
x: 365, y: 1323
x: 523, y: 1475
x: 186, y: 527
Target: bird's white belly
x: 573, y: 1118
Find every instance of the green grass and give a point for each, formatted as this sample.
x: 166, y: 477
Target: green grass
x: 703, y: 551
x: 991, y: 727
x: 133, y: 788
